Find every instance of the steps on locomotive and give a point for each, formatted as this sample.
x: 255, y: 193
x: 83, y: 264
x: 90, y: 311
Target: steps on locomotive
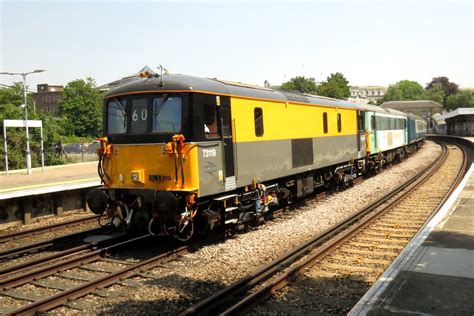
x: 225, y: 197
x: 230, y: 209
x: 227, y: 203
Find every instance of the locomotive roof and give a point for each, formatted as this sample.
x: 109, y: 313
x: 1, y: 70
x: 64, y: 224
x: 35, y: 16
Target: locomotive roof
x: 183, y: 83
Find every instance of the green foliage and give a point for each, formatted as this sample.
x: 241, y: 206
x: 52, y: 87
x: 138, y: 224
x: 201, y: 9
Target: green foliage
x: 336, y: 86
x: 438, y: 90
x: 448, y: 88
x: 404, y: 90
x: 300, y: 84
x: 462, y: 99
x: 81, y: 108
x: 10, y: 100
x: 435, y: 93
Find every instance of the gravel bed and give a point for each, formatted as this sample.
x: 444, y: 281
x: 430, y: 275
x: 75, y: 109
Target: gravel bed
x: 179, y: 284
x: 11, y: 303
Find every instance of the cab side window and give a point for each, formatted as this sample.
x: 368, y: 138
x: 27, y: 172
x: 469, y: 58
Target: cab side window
x: 325, y: 122
x: 339, y: 122
x: 210, y: 121
x: 258, y: 118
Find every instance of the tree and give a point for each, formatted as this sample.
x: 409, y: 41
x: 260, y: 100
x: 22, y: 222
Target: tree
x: 300, y: 84
x: 462, y: 99
x: 449, y: 88
x: 404, y: 90
x: 435, y: 93
x: 81, y: 108
x: 335, y: 86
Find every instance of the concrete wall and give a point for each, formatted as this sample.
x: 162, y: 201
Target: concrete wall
x: 25, y: 210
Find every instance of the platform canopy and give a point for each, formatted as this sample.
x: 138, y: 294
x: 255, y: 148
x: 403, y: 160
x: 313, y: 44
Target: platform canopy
x: 457, y: 112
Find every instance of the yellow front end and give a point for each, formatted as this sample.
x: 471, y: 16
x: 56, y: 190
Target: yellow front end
x: 150, y: 166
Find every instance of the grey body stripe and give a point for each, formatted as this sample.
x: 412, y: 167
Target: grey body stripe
x: 268, y: 160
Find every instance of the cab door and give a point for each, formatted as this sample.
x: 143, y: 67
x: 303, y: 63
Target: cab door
x: 361, y: 133
x: 225, y: 131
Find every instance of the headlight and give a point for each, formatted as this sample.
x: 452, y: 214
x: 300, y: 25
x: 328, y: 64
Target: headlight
x: 137, y: 176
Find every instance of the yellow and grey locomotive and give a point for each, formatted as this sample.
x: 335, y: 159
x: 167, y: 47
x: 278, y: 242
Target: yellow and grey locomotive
x: 180, y: 152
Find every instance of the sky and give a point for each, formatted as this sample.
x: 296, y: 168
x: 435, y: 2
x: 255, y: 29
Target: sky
x: 370, y: 42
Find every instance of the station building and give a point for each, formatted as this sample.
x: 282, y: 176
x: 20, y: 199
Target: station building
x: 459, y: 122
x: 422, y: 108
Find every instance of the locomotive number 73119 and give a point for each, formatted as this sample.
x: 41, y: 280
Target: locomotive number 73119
x: 206, y: 153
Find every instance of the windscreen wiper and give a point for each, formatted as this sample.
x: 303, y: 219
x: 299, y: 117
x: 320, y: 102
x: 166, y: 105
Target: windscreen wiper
x: 122, y: 109
x: 160, y: 106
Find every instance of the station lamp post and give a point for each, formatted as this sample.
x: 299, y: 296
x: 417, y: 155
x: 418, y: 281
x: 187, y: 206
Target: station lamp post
x: 23, y: 75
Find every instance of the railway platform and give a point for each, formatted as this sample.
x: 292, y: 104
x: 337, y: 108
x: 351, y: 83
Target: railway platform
x: 53, y: 179
x: 59, y: 189
x: 434, y: 274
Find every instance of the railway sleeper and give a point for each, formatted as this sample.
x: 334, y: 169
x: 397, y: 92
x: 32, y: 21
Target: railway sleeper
x: 382, y: 235
x: 396, y: 224
x: 56, y: 285
x: 402, y: 219
x: 401, y: 230
x: 372, y: 240
x: 21, y: 295
x: 82, y: 305
x: 360, y: 259
x: 369, y: 253
x: 354, y: 261
x: 374, y: 245
x: 350, y: 269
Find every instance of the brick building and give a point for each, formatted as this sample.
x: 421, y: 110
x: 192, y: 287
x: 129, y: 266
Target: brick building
x: 47, y: 98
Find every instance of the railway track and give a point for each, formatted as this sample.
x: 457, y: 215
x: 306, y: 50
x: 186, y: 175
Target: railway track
x: 29, y: 241
x: 52, y: 244
x: 24, y: 272
x: 86, y: 271
x: 15, y: 236
x: 332, y: 271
